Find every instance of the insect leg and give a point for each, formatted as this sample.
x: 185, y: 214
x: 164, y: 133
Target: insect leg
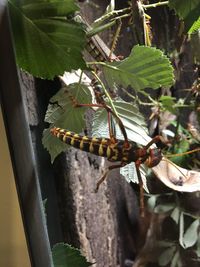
x: 111, y: 129
x: 109, y: 110
x: 112, y: 167
x: 155, y: 140
x: 142, y: 209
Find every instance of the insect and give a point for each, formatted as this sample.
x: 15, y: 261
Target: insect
x: 121, y: 151
x: 114, y: 150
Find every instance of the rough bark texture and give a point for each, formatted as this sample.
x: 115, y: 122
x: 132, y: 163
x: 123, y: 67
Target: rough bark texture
x: 100, y: 220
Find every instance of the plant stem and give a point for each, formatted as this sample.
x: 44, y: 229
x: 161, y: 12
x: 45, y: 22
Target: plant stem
x: 102, y: 63
x: 115, y: 38
x: 80, y: 78
x: 156, y: 103
x: 183, y: 153
x: 122, y: 16
x: 110, y: 14
x: 156, y: 4
x: 79, y: 82
x: 106, y: 93
x: 136, y: 98
x: 100, y: 28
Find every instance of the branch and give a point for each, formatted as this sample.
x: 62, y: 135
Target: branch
x: 156, y: 4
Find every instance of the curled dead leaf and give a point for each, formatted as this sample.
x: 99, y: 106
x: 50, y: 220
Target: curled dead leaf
x: 176, y: 177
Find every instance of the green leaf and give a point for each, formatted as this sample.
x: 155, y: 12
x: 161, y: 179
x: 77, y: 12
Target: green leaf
x: 145, y: 67
x: 44, y: 205
x: 53, y: 145
x: 188, y: 10
x: 61, y: 113
x: 131, y: 118
x: 168, y: 103
x: 197, y: 250
x: 176, y: 261
x: 181, y: 147
x: 152, y: 202
x: 163, y: 208
x: 65, y: 255
x: 195, y: 27
x: 165, y: 244
x: 191, y: 235
x: 175, y: 215
x: 181, y: 229
x: 46, y: 42
x: 166, y: 257
x: 130, y: 174
x: 110, y: 7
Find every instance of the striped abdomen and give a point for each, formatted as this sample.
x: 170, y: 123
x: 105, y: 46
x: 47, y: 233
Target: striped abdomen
x: 99, y: 146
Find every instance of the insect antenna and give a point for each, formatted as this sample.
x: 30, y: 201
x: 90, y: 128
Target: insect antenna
x: 183, y: 153
x: 142, y: 206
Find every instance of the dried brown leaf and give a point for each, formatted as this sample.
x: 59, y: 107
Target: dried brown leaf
x: 176, y: 177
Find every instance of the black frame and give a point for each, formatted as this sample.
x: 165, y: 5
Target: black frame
x: 21, y: 150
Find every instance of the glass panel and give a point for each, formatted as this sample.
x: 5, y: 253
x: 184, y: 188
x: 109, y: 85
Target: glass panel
x: 13, y: 248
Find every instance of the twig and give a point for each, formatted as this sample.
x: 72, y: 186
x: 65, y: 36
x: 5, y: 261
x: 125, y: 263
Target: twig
x: 156, y: 4
x: 106, y: 93
x: 110, y: 14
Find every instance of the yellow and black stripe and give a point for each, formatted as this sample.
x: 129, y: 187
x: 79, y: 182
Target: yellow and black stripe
x: 99, y: 146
